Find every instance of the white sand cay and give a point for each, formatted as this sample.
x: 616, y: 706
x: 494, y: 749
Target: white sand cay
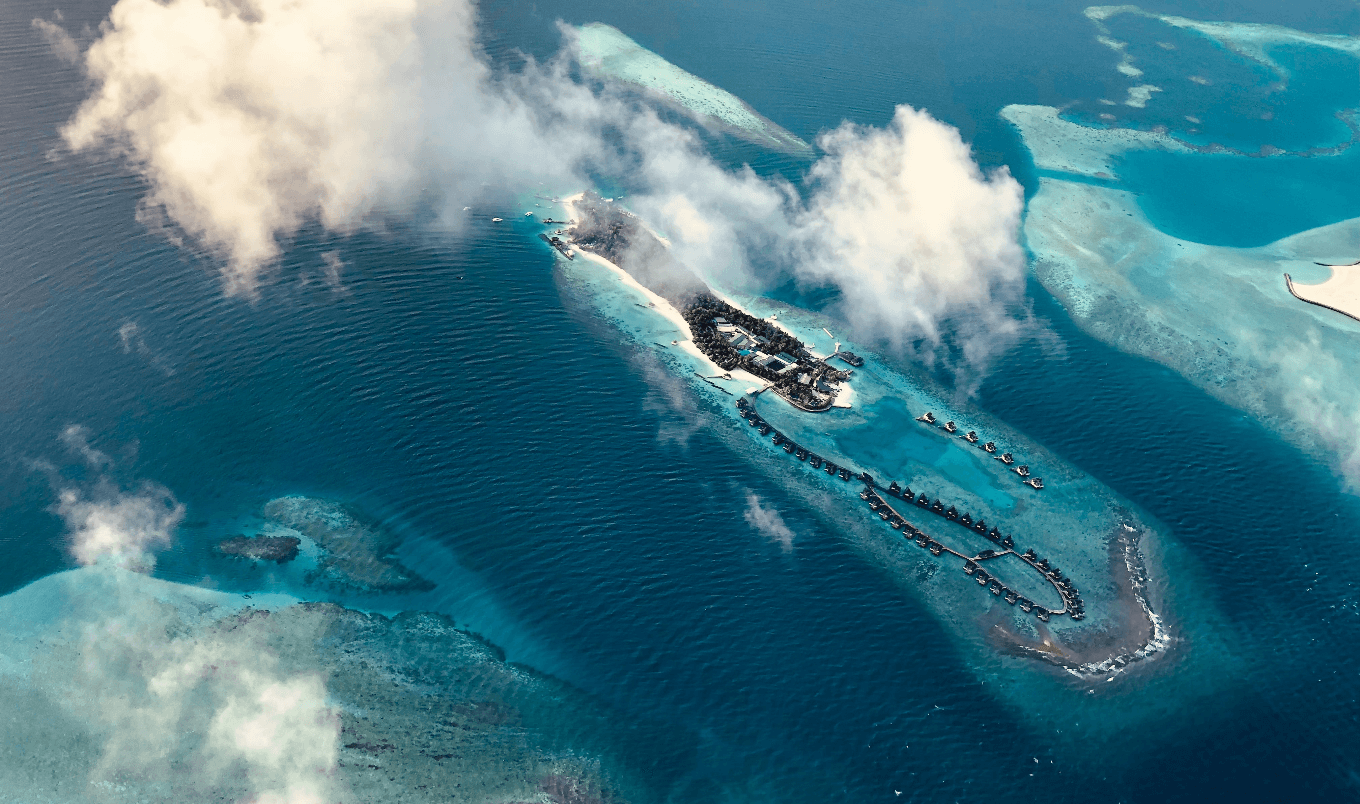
x: 1340, y: 293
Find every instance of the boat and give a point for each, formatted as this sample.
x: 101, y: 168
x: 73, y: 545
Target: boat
x: 950, y: 427
x: 497, y: 220
x: 927, y: 417
x: 989, y: 446
x: 1035, y: 482
x: 1006, y: 458
x: 1022, y: 470
x: 971, y: 437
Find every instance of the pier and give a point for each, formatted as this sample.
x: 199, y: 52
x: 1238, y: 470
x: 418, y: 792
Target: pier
x: 874, y: 495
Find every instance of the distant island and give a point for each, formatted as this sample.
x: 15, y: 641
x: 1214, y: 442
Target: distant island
x: 727, y: 335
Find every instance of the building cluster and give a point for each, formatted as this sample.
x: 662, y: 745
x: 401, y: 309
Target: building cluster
x: 733, y: 338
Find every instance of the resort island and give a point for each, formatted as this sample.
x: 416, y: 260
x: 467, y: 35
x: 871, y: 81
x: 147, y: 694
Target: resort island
x: 730, y: 337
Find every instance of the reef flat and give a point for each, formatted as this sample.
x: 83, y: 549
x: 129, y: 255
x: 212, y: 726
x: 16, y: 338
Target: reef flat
x: 119, y: 687
x: 607, y: 53
x: 353, y: 554
x: 1223, y: 317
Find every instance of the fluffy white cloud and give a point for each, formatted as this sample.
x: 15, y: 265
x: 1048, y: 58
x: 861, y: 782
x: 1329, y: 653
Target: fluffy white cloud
x: 902, y: 220
x: 107, y: 524
x: 249, y: 118
x: 768, y: 522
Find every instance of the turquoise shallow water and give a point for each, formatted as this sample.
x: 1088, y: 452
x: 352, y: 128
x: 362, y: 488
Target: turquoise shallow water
x: 606, y: 540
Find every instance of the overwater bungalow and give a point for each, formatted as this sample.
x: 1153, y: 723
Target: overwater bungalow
x: 1022, y: 470
x: 845, y: 474
x: 938, y: 507
x: 923, y: 501
x: 996, y: 589
x: 1011, y: 597
x: 831, y: 468
x: 982, y: 577
x: 936, y: 548
x: 971, y: 437
x: 1007, y: 542
x: 969, y: 567
x: 989, y: 446
x: 906, y: 494
x: 994, y: 534
x: 950, y: 427
x: 927, y: 417
x: 1006, y: 458
x: 952, y: 513
x: 980, y: 526
x: 815, y: 460
x: 894, y: 489
x: 966, y: 519
x: 1035, y: 482
x: 789, y: 447
x: 1026, y: 604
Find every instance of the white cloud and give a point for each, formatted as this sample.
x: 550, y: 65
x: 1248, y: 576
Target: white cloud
x: 107, y: 524
x: 768, y: 522
x: 904, y: 222
x: 206, y: 709
x: 56, y: 37
x: 249, y: 120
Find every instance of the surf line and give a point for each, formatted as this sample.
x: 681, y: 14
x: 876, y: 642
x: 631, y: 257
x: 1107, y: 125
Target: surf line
x: 1072, y: 603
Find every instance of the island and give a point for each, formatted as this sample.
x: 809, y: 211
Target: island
x: 727, y: 335
x: 1340, y: 292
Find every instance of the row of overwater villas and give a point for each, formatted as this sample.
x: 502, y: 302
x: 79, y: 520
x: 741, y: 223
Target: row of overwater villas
x: 990, y: 447
x: 817, y: 462
x: 1071, y: 598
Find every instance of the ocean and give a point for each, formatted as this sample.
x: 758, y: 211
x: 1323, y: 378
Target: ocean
x: 581, y: 508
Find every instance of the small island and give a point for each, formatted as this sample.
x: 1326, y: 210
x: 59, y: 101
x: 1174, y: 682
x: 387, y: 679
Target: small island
x: 733, y: 338
x: 725, y: 334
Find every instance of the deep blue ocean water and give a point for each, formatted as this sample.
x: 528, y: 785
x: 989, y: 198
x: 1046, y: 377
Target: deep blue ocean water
x: 604, y: 541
